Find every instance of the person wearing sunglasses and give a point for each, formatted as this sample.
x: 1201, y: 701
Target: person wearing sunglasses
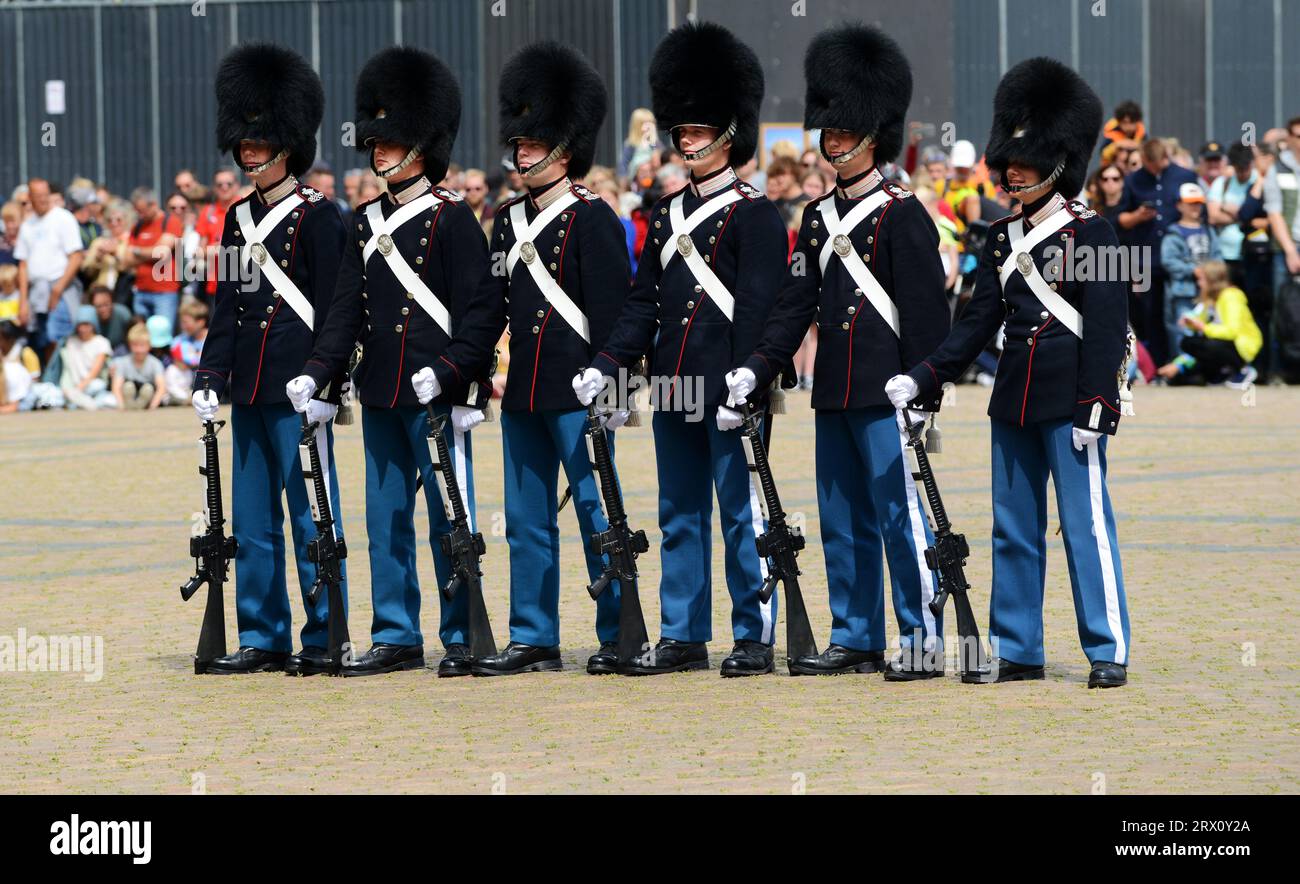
x: 209, y: 224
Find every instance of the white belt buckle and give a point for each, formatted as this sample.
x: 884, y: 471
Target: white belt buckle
x: 684, y: 245
x: 842, y: 245
x: 1024, y: 263
x: 385, y: 244
x: 528, y: 252
x: 259, y: 252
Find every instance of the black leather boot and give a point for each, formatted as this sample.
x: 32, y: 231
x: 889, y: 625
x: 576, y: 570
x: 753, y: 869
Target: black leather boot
x: 246, y: 660
x: 1107, y: 675
x: 669, y: 656
x: 517, y: 658
x: 457, y: 661
x: 383, y: 658
x: 1005, y: 670
x: 837, y: 659
x: 748, y: 658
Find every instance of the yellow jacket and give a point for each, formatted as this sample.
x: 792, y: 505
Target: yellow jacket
x: 1235, y: 323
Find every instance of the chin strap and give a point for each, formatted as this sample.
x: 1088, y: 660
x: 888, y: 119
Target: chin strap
x: 1030, y: 190
x: 541, y: 165
x: 843, y: 158
x: 259, y: 169
x: 383, y: 176
x: 691, y: 156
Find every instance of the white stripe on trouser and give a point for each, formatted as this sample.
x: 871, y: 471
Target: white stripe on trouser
x: 1109, y: 585
x: 756, y: 521
x: 323, y: 448
x: 916, y: 520
x: 462, y: 475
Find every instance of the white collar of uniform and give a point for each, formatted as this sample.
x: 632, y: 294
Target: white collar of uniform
x: 1049, y: 208
x: 859, y: 189
x: 411, y: 192
x: 557, y: 190
x: 279, y: 191
x: 718, y: 183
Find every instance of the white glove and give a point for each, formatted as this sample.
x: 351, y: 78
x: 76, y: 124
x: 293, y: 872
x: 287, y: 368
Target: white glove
x: 426, y: 385
x: 740, y: 383
x: 205, y: 405
x: 1083, y: 438
x: 901, y: 390
x: 464, y: 418
x: 616, y: 419
x: 300, y: 390
x: 729, y: 418
x: 909, y: 417
x: 320, y: 412
x: 587, y: 383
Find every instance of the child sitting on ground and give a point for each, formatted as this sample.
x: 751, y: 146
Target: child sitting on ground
x: 186, y: 350
x: 84, y: 355
x: 138, y: 376
x: 1223, y: 338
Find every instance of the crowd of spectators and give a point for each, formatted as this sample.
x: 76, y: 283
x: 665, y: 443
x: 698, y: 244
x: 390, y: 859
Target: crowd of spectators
x: 104, y: 299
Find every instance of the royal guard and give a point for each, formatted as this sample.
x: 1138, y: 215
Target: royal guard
x: 714, y: 259
x: 412, y: 264
x: 560, y: 263
x: 1056, y: 396
x: 866, y: 266
x: 279, y: 261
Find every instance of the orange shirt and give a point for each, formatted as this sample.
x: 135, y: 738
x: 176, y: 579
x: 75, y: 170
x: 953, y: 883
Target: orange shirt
x: 149, y: 275
x: 210, y: 225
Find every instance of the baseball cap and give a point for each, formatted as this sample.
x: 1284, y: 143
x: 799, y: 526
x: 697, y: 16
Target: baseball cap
x: 1191, y: 193
x: 86, y: 313
x: 160, y: 330
x: 1212, y: 149
x: 963, y: 155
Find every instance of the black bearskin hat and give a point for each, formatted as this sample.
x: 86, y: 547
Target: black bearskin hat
x: 1045, y: 114
x: 859, y: 81
x: 269, y: 93
x: 409, y: 97
x: 702, y: 75
x: 552, y: 94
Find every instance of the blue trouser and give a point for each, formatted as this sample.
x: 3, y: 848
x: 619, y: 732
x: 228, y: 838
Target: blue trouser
x: 397, y: 450
x: 693, y: 459
x: 266, y: 465
x: 148, y: 304
x: 536, y: 445
x: 1022, y: 459
x: 868, y: 504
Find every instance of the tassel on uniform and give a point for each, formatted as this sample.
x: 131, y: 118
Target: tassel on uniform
x: 776, y: 401
x: 934, y: 437
x: 344, y: 416
x: 489, y: 413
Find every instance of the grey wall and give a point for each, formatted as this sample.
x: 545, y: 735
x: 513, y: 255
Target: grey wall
x: 139, y: 91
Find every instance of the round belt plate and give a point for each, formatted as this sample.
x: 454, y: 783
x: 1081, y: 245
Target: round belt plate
x: 842, y: 245
x: 528, y: 252
x: 259, y: 253
x: 1025, y: 263
x: 385, y: 244
x: 684, y: 245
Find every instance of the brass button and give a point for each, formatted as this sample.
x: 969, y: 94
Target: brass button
x: 428, y: 223
x: 397, y: 328
x: 424, y: 240
x: 858, y: 292
x: 262, y: 324
x: 685, y: 320
x: 536, y: 329
x: 866, y: 256
x: 997, y: 253
x: 295, y: 214
x: 361, y: 227
x: 555, y: 249
x: 1034, y: 329
x: 419, y: 259
x: 270, y: 308
x: 406, y: 310
x: 712, y: 240
x: 719, y: 225
x: 541, y: 313
x: 237, y: 233
x: 289, y: 230
x: 564, y: 217
x: 1043, y: 315
x: 364, y: 295
x: 275, y: 294
x: 410, y: 296
x: 852, y: 310
x: 286, y: 247
x: 844, y: 325
x: 698, y: 289
x: 1054, y: 286
x: 284, y: 263
x: 560, y: 234
x: 708, y: 259
x: 1001, y: 237
x: 362, y: 243
x: 663, y: 211
x: 690, y: 305
x: 367, y: 309
x: 552, y: 265
x: 870, y: 240
x: 1029, y: 341
x: 658, y: 224
x: 814, y: 224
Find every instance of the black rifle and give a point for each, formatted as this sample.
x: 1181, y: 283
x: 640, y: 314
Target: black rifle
x: 619, y: 542
x: 327, y: 550
x: 947, y: 559
x: 779, y: 544
x: 213, y: 552
x: 462, y: 547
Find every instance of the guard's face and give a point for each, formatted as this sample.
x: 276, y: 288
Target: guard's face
x: 693, y: 138
x: 840, y: 141
x: 387, y: 154
x: 529, y: 152
x: 1020, y: 175
x: 254, y: 153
